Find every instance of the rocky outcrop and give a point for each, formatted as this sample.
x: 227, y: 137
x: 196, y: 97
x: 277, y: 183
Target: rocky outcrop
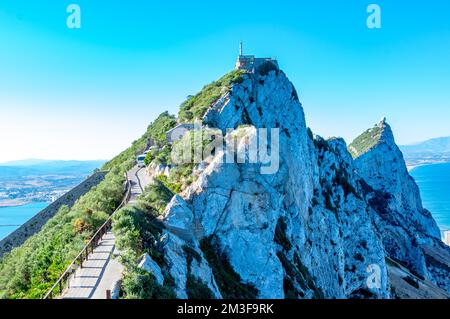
x: 279, y: 231
x: 153, y: 170
x: 384, y: 169
x: 314, y: 228
x: 148, y: 264
x: 405, y: 226
x: 34, y: 225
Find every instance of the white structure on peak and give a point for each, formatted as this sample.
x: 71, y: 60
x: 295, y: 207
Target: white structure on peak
x: 249, y: 62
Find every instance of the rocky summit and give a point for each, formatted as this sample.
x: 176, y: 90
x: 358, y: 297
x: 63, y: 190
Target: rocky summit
x: 332, y: 222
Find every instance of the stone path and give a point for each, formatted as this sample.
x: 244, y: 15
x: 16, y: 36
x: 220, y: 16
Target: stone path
x: 101, y: 271
x: 138, y: 180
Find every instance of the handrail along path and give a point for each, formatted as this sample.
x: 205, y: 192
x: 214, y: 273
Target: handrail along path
x: 89, y: 247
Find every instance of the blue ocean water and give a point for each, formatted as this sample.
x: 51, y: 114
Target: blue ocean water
x: 17, y: 216
x: 434, y: 184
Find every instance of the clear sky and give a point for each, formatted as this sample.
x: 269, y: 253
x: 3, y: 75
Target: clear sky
x: 87, y: 93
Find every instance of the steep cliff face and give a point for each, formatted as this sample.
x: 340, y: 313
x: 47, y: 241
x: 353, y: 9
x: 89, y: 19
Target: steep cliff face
x: 405, y: 226
x: 304, y: 231
x: 384, y: 169
x: 320, y: 225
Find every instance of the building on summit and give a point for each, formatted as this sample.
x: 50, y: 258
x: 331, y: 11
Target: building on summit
x: 250, y: 63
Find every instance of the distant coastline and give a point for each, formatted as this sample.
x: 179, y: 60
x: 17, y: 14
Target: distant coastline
x: 13, y: 203
x: 411, y: 166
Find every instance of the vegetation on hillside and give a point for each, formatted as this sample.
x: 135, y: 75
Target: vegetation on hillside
x: 158, y: 194
x: 159, y: 156
x: 196, y: 106
x: 156, y: 131
x: 31, y: 269
x: 137, y: 233
x: 136, y: 229
x: 189, y: 152
x: 366, y: 141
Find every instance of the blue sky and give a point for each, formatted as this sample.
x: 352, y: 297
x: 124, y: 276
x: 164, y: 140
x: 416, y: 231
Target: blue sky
x: 87, y: 93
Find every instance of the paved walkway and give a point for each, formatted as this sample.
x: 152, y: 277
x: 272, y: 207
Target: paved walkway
x: 100, y: 272
x: 138, y: 180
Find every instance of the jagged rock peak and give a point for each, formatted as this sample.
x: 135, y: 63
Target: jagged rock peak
x: 380, y: 133
x: 410, y: 234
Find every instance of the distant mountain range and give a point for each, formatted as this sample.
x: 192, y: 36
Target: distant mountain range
x: 51, y: 163
x: 436, y: 150
x: 48, y: 167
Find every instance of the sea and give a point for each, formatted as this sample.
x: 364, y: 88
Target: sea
x: 12, y: 217
x: 434, y: 184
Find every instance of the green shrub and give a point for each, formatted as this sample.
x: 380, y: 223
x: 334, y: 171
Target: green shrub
x: 149, y: 157
x: 138, y: 232
x: 157, y: 195
x: 140, y: 284
x: 327, y: 193
x: 174, y: 187
x: 359, y: 257
x: 201, y: 141
x: 163, y: 155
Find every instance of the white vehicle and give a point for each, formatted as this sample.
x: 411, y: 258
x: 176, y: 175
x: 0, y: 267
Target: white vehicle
x: 140, y: 160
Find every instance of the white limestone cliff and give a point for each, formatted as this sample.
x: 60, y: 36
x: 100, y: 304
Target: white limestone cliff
x: 405, y: 226
x: 306, y: 231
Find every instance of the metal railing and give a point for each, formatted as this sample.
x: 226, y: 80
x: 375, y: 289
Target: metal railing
x: 88, y: 248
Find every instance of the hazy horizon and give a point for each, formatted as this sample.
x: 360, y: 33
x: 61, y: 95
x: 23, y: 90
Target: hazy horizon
x: 36, y: 161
